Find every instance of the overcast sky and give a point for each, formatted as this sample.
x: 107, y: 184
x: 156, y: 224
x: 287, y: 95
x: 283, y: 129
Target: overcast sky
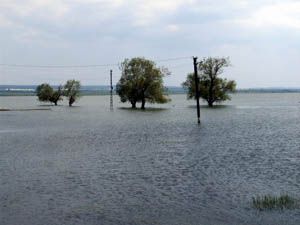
x: 261, y: 37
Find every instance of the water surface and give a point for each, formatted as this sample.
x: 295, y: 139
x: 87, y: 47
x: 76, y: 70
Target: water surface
x: 90, y: 165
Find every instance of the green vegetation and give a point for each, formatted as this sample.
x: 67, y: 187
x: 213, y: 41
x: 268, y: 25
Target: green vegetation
x: 212, y: 88
x: 56, y: 95
x: 268, y: 202
x: 141, y: 81
x: 72, y: 90
x: 46, y: 93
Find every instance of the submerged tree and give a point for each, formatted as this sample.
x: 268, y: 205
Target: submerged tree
x: 141, y: 81
x: 72, y: 90
x: 46, y: 93
x: 56, y: 95
x: 212, y: 87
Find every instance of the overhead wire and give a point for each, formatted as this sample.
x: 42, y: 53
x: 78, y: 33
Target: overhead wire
x: 81, y: 66
x: 57, y: 66
x: 88, y: 68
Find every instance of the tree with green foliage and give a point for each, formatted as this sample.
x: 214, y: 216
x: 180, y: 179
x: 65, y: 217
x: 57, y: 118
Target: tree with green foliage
x: 57, y: 95
x: 141, y: 81
x: 212, y: 88
x: 46, y: 93
x: 72, y: 90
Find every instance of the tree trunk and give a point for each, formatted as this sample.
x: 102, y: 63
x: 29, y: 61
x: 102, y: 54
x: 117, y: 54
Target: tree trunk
x: 133, y: 104
x: 143, y: 103
x: 55, y: 102
x: 71, y: 101
x: 210, y: 93
x: 143, y: 100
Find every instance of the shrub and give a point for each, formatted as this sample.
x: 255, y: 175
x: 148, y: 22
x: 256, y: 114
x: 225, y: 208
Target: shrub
x: 268, y: 202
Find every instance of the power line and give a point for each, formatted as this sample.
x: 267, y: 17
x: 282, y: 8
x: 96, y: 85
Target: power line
x: 58, y: 66
x: 82, y: 66
x: 172, y: 59
x: 178, y: 66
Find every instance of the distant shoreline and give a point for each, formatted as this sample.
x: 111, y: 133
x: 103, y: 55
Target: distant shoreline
x: 29, y: 90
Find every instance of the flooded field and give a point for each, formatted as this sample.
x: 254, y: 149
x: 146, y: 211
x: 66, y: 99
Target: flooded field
x: 90, y: 165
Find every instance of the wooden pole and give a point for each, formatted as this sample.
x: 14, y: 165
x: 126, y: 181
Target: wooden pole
x: 111, y: 91
x: 197, y: 87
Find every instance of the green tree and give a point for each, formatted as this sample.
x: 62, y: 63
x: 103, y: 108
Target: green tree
x: 212, y: 88
x: 56, y: 95
x: 46, y: 93
x: 141, y: 81
x: 72, y: 90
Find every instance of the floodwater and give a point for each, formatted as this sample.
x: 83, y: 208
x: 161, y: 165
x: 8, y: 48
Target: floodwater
x: 90, y: 165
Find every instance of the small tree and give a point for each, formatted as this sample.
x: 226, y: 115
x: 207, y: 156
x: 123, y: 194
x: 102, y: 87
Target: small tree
x: 56, y: 95
x: 46, y: 93
x: 72, y: 90
x: 141, y: 81
x: 212, y: 87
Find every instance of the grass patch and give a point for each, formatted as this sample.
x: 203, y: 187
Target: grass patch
x: 37, y: 109
x: 149, y: 109
x: 205, y: 106
x: 269, y: 202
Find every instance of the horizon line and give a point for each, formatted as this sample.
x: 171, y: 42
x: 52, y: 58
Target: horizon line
x: 172, y: 86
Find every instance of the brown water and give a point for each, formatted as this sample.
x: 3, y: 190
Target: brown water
x: 90, y: 165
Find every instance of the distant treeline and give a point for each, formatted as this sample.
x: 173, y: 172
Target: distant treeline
x: 269, y: 90
x: 29, y: 90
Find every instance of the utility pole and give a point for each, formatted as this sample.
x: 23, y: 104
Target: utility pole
x: 111, y: 91
x: 197, y: 87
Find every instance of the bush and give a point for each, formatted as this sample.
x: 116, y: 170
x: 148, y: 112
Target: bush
x: 268, y: 202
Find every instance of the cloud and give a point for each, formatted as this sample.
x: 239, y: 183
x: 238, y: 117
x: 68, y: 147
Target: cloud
x: 107, y: 31
x: 5, y: 22
x: 279, y: 15
x: 149, y: 12
x: 172, y: 28
x: 51, y: 9
x: 142, y: 12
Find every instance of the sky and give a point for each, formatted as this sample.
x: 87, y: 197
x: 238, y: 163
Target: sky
x: 261, y: 38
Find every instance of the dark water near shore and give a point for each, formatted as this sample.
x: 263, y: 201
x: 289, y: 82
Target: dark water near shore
x: 90, y: 165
